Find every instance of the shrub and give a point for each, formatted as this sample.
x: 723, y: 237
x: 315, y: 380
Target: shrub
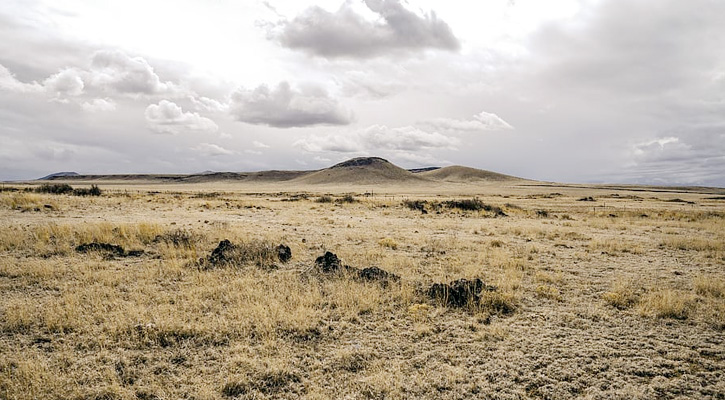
x: 418, y: 205
x: 348, y: 198
x: 93, y: 191
x: 324, y: 199
x: 466, y: 204
x: 55, y: 188
x: 474, y: 204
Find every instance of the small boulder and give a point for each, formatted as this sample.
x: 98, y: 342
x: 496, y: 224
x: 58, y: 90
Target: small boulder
x: 377, y: 274
x: 328, y: 262
x: 284, y: 253
x: 109, y: 249
x: 222, y: 254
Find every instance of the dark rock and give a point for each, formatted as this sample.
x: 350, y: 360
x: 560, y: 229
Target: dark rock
x: 284, y: 253
x: 222, y: 254
x: 459, y: 293
x: 377, y: 274
x: 328, y: 262
x: 108, y: 248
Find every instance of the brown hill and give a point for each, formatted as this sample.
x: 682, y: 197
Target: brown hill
x: 356, y: 171
x: 459, y: 174
x: 361, y: 170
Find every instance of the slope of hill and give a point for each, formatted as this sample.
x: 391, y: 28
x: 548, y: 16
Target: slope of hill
x: 459, y: 174
x: 361, y: 170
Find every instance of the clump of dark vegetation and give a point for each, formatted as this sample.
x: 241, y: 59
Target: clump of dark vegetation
x: 296, y: 197
x: 474, y: 204
x: 64, y: 188
x: 587, y: 198
x: 459, y: 293
x: 418, y: 205
x: 93, y: 191
x: 206, y: 195
x: 257, y: 252
x: 348, y: 198
x: 324, y: 199
x: 542, y: 213
x: 108, y: 249
x: 679, y: 201
x: 55, y: 188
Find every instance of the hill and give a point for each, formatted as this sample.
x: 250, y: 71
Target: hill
x: 58, y: 175
x: 459, y: 174
x: 356, y: 171
x: 361, y: 170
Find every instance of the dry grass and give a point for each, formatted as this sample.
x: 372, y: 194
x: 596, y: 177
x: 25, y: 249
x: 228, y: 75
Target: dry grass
x: 586, y: 305
x: 667, y: 303
x: 711, y: 286
x: 623, y: 295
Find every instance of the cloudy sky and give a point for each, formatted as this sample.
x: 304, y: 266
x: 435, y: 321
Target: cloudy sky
x: 626, y: 91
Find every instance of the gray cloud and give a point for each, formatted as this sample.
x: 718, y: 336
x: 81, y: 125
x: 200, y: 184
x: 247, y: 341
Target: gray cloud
x: 167, y: 117
x: 285, y: 107
x: 346, y: 33
x: 9, y: 83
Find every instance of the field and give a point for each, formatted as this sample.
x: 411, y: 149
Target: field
x: 598, y: 293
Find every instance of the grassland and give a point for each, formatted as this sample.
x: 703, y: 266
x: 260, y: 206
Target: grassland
x: 619, y: 297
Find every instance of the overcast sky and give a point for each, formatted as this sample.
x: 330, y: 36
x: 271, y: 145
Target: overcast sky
x: 628, y: 91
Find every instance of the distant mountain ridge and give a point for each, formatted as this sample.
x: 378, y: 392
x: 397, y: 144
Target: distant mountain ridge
x: 360, y: 170
x: 58, y: 175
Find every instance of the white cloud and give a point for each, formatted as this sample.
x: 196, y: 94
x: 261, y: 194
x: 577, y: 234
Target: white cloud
x: 378, y: 138
x: 656, y: 145
x: 67, y: 82
x: 167, y: 117
x: 260, y: 145
x: 285, y: 107
x: 482, y: 121
x: 212, y: 150
x: 99, y: 105
x: 202, y: 103
x: 114, y: 70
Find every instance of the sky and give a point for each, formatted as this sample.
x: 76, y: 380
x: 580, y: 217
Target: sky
x: 589, y: 91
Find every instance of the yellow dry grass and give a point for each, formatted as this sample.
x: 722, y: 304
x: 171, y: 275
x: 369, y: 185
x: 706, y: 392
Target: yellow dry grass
x: 587, y: 301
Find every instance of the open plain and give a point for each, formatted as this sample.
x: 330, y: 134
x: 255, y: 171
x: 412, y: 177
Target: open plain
x: 592, y: 291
